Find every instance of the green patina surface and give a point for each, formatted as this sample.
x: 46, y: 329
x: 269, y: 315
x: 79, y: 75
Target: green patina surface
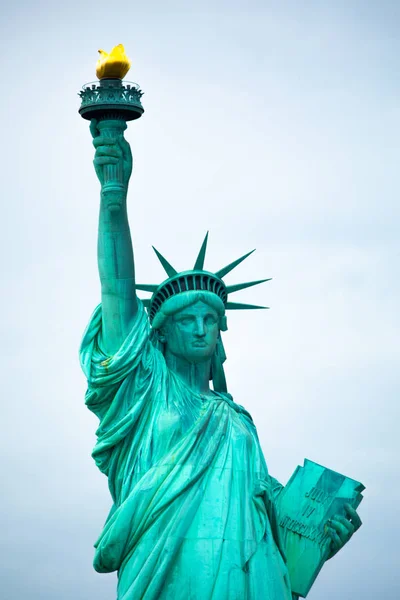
x: 195, y: 513
x: 312, y: 497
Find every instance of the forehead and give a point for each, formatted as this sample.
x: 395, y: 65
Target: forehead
x: 199, y: 309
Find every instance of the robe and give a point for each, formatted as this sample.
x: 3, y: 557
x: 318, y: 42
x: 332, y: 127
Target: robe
x: 193, y: 513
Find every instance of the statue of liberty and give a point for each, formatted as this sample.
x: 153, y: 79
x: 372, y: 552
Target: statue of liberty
x: 194, y: 513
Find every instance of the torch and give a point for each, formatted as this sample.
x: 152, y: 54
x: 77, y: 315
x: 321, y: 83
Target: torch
x: 112, y: 103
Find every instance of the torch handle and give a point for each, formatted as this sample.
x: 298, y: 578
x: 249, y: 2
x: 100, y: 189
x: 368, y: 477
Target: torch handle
x: 113, y: 190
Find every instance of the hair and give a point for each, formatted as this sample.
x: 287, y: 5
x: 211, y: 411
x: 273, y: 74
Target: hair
x: 181, y: 301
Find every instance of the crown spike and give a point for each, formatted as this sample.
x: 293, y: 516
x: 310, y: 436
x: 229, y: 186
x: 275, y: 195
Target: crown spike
x: 146, y: 302
x: 169, y: 269
x: 240, y: 306
x: 199, y: 264
x: 222, y: 272
x: 146, y: 287
x: 241, y: 286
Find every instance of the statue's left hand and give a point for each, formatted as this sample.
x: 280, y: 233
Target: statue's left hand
x: 341, y: 529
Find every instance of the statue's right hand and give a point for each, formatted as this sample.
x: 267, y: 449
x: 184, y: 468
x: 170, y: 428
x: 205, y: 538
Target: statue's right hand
x: 109, y: 151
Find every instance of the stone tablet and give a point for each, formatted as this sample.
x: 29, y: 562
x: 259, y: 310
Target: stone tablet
x: 312, y: 496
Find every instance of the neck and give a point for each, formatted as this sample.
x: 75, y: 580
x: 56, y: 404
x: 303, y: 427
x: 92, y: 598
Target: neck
x: 195, y: 375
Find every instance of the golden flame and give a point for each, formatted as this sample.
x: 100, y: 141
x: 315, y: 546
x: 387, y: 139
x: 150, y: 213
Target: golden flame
x: 114, y: 65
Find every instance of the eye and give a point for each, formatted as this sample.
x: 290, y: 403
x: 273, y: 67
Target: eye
x: 210, y: 320
x: 185, y: 321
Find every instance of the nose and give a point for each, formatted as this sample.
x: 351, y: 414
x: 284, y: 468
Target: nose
x: 200, y: 329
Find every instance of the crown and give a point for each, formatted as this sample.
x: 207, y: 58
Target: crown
x: 196, y: 279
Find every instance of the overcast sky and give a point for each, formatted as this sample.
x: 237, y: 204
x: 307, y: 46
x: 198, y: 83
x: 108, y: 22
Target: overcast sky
x: 274, y: 125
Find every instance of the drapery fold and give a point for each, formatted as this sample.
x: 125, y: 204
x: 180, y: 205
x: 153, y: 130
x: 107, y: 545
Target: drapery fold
x: 193, y: 514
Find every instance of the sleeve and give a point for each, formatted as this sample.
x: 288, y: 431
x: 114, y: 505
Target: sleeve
x: 104, y: 373
x: 124, y: 391
x: 276, y: 487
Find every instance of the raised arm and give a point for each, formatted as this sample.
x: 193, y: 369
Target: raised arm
x: 114, y: 249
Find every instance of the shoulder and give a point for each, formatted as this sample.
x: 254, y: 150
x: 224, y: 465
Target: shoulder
x: 237, y: 407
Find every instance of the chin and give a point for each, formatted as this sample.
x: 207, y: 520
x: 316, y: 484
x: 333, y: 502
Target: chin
x: 199, y: 355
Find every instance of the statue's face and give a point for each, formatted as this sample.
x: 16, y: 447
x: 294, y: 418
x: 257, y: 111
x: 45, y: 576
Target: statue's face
x: 192, y: 333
